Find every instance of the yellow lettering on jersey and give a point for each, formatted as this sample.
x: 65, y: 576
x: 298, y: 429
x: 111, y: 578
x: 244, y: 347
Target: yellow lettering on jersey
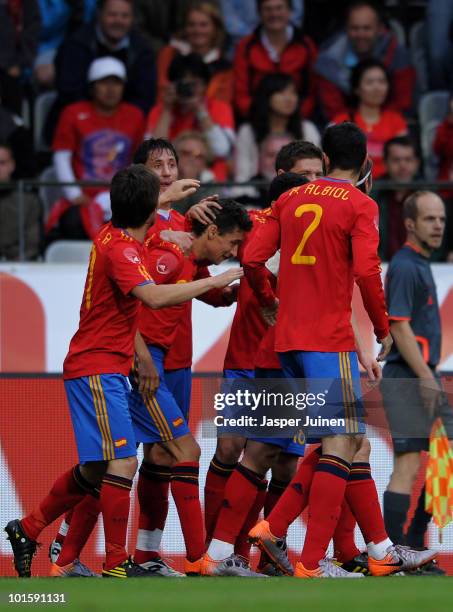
x: 107, y: 238
x: 181, y: 281
x: 297, y: 257
x: 326, y: 190
x: 316, y: 190
x: 309, y: 188
x: 89, y: 287
x: 294, y: 191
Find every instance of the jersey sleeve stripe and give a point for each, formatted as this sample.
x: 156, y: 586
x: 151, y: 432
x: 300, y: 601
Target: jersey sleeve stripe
x: 105, y: 417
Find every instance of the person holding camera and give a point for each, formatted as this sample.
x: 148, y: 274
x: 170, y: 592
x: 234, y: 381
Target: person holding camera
x: 184, y: 106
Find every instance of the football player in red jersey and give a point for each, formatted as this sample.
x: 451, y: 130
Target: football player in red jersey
x: 96, y: 369
x: 330, y: 216
x: 247, y: 330
x: 158, y: 155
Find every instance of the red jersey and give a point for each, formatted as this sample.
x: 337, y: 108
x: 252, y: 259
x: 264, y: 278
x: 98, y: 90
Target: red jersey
x: 168, y: 265
x: 327, y: 232
x: 266, y: 357
x: 248, y: 327
x: 101, y: 144
x: 180, y: 353
x: 104, y: 342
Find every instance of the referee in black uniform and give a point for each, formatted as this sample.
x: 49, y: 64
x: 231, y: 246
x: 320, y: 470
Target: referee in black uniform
x: 411, y: 405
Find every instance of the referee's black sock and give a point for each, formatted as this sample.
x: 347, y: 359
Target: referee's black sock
x: 396, y: 506
x: 416, y: 533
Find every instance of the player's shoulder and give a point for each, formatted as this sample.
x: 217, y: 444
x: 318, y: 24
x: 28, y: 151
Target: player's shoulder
x: 361, y: 200
x: 112, y: 241
x: 260, y: 216
x: 163, y: 246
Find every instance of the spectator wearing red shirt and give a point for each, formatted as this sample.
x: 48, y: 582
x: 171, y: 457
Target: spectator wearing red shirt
x: 184, y: 106
x: 275, y: 46
x: 96, y: 138
x: 370, y: 86
x: 364, y: 37
x: 443, y: 146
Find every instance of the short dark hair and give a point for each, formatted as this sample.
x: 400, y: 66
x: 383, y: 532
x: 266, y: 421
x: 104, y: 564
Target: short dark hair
x: 400, y: 141
x: 134, y: 193
x: 150, y: 146
x: 357, y: 74
x: 101, y: 3
x: 231, y: 216
x: 345, y: 146
x: 283, y: 182
x: 259, y: 4
x: 182, y: 65
x: 293, y: 151
x: 353, y: 6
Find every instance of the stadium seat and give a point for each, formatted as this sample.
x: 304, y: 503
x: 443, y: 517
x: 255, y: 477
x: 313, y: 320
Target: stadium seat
x: 398, y: 29
x: 49, y: 194
x: 417, y: 45
x: 43, y: 104
x: 430, y: 161
x: 433, y: 106
x: 68, y: 251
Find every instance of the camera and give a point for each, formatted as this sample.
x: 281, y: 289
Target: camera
x: 185, y: 89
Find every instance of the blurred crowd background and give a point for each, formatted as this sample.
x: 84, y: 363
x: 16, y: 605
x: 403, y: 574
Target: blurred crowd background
x: 229, y: 82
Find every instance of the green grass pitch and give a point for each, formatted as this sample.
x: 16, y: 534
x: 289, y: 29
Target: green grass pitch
x: 236, y: 595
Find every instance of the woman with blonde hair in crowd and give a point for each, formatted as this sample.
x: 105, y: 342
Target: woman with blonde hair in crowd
x: 204, y: 34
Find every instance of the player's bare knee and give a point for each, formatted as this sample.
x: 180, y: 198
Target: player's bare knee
x: 341, y: 446
x: 229, y: 450
x: 406, y: 467
x: 184, y: 448
x: 285, y: 466
x: 124, y: 467
x: 94, y: 471
x: 260, y: 457
x: 159, y: 455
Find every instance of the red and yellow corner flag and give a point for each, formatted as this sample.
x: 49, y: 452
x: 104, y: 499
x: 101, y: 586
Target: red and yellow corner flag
x: 439, y: 477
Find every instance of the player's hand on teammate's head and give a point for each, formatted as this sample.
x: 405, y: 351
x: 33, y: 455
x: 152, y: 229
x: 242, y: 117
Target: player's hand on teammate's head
x: 223, y: 280
x: 203, y: 211
x: 269, y: 313
x: 386, y: 345
x: 178, y: 191
x: 182, y: 239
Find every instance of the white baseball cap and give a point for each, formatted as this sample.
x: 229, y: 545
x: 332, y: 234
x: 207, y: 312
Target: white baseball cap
x: 104, y: 67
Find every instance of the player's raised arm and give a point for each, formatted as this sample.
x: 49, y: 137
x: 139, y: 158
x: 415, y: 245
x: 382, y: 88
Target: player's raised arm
x: 160, y: 296
x: 263, y: 244
x: 367, y: 271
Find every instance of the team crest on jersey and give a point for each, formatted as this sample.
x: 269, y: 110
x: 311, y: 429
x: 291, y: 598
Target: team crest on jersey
x: 161, y: 266
x: 132, y: 256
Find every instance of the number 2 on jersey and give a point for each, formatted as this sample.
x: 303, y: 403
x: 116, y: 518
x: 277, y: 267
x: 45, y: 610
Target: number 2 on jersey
x: 298, y: 258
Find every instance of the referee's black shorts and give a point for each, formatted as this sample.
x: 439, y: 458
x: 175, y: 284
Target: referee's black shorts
x: 409, y: 422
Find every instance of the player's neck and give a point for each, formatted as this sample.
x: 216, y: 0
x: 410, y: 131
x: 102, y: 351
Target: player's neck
x: 419, y: 245
x: 197, y: 249
x: 138, y: 233
x: 345, y: 175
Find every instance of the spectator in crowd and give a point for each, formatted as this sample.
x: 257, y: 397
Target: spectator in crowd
x: 9, y: 214
x: 402, y: 165
x: 111, y: 35
x: 194, y: 157
x: 365, y: 37
x: 439, y: 21
x: 19, y: 139
x: 94, y: 139
x: 370, y: 89
x: 276, y: 110
x: 185, y: 107
x: 204, y: 34
x: 241, y: 17
x: 20, y: 23
x: 268, y: 150
x: 443, y: 146
x: 275, y: 46
x: 57, y: 19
